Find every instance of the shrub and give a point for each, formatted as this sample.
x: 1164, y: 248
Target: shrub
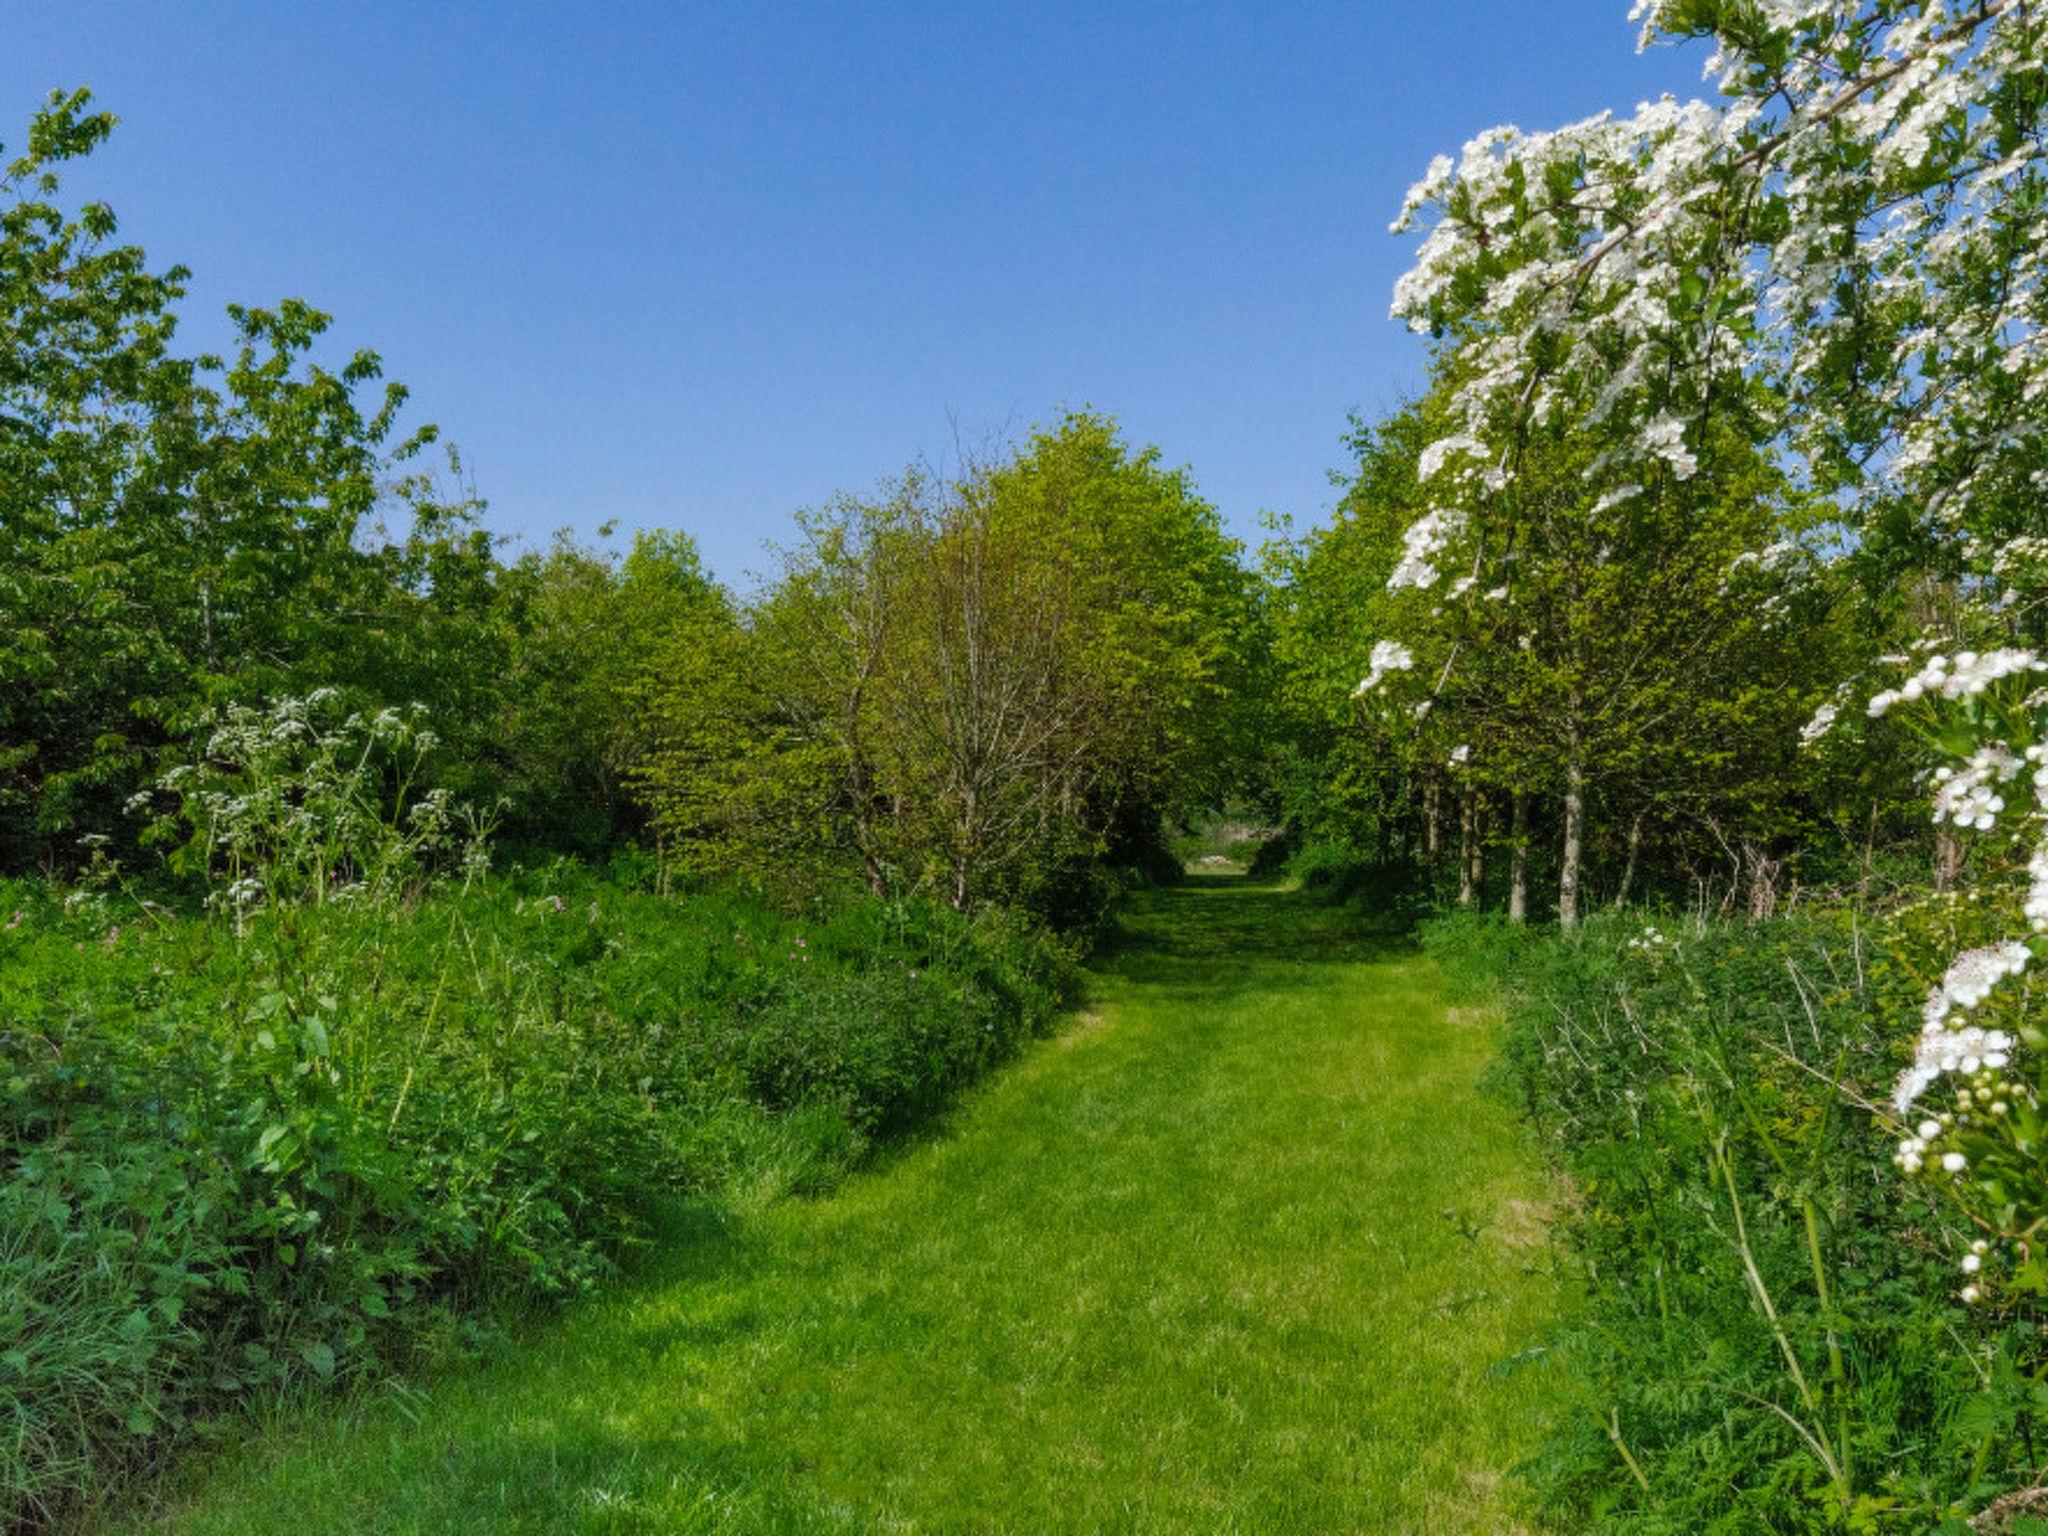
x: 280, y: 1148
x: 1772, y: 1337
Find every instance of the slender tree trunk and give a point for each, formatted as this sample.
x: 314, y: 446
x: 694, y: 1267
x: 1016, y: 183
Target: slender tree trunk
x: 1628, y: 868
x: 1574, y: 841
x: 1383, y: 828
x: 1948, y: 858
x: 1518, y: 857
x: 1478, y: 848
x: 1468, y: 842
x: 1432, y: 822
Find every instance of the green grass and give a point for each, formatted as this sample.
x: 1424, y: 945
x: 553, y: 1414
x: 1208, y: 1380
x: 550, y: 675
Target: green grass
x: 1234, y: 1253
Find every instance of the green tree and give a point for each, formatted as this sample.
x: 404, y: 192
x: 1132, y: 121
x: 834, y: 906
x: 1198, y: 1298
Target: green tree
x: 178, y: 531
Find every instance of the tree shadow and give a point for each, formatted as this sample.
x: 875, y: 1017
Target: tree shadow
x: 1180, y: 935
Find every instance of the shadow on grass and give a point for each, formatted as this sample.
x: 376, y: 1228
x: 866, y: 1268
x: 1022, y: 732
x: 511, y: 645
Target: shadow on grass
x: 1197, y: 942
x: 1181, y: 934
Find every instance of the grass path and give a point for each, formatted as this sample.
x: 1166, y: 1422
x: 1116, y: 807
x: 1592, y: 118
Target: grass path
x: 1233, y: 1254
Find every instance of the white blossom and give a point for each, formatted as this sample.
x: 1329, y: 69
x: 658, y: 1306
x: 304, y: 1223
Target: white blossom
x: 1388, y: 657
x: 1822, y: 722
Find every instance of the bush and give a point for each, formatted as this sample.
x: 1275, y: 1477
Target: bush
x: 1772, y: 1338
x: 233, y: 1164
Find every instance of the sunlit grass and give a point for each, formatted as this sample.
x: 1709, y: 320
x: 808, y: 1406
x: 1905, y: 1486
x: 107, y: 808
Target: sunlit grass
x: 1235, y: 1253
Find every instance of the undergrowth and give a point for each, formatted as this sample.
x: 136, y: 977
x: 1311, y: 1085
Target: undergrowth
x: 1772, y: 1338
x: 248, y: 1151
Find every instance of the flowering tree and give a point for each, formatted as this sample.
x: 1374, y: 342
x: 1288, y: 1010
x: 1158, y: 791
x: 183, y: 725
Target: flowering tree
x: 1646, y: 650
x: 1843, y: 256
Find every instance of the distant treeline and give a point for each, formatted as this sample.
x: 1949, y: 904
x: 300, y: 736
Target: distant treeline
x: 985, y: 685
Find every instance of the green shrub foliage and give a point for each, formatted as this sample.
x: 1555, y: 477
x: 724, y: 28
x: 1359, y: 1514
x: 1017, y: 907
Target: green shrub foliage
x: 1771, y: 1336
x: 237, y: 1164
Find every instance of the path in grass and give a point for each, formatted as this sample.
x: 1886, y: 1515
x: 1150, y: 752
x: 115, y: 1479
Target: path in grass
x: 1233, y: 1254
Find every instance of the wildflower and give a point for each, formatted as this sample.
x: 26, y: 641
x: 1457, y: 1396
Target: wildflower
x: 1972, y: 975
x: 1954, y: 1162
x: 1972, y: 1262
x: 1971, y: 1295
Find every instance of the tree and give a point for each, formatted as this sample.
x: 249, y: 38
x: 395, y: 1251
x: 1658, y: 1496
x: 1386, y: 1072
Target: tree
x: 176, y: 531
x: 592, y: 645
x: 1845, y: 253
x: 985, y: 686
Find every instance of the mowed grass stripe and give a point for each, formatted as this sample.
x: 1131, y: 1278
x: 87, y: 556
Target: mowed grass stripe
x: 1234, y: 1254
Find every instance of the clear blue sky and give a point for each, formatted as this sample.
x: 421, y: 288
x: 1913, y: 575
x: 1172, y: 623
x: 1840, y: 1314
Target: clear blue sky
x: 696, y: 266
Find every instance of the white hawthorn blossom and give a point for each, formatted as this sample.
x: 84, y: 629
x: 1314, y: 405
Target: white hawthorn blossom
x: 1968, y: 797
x: 1388, y: 657
x: 1857, y: 229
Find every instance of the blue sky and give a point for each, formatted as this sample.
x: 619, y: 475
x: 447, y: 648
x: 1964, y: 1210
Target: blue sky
x: 683, y: 266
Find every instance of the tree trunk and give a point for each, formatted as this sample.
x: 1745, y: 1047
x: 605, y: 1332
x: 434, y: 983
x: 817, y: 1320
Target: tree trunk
x: 1763, y: 882
x: 1628, y: 868
x: 1478, y: 848
x: 1948, y: 858
x: 1574, y: 843
x: 1468, y: 844
x: 1518, y: 858
x: 1432, y: 822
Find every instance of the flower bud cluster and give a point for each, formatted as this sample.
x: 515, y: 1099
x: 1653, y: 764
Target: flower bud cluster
x: 1972, y: 1266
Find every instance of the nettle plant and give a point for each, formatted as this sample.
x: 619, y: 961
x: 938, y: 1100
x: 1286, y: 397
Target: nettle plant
x: 303, y: 801
x: 1841, y: 257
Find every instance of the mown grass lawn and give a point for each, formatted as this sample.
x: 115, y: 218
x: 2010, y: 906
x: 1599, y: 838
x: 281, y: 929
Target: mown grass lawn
x: 1235, y: 1253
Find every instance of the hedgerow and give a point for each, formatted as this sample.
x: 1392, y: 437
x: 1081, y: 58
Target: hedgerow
x: 237, y: 1164
x: 1772, y: 1334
